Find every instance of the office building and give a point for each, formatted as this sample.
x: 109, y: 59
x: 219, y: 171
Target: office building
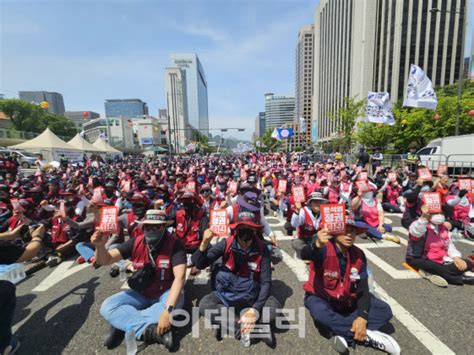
x: 259, y: 126
x: 117, y: 131
x: 80, y: 117
x: 304, y: 85
x: 54, y: 99
x: 150, y: 131
x: 196, y: 88
x: 125, y: 107
x: 279, y: 110
x: 369, y: 45
x: 176, y: 99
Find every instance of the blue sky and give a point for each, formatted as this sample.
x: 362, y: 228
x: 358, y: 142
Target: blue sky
x: 92, y: 50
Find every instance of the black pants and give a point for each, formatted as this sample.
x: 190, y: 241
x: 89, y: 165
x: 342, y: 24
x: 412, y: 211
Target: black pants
x: 449, y: 272
x: 7, y: 308
x: 221, y: 318
x: 388, y: 207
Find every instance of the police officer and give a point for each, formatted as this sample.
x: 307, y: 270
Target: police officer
x: 412, y: 158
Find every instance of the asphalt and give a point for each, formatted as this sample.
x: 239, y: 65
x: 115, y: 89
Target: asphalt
x: 65, y: 318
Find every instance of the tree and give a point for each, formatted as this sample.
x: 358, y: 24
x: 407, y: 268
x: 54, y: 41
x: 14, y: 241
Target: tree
x: 25, y: 116
x: 346, y: 117
x: 374, y: 135
x: 268, y: 143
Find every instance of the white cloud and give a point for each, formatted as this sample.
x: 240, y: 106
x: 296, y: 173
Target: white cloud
x: 202, y: 30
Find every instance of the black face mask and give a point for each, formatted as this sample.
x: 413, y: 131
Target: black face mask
x: 246, y: 235
x: 109, y: 193
x: 154, y: 235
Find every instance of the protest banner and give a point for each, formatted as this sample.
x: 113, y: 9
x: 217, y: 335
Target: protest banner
x: 219, y: 222
x: 282, y: 186
x: 424, y: 173
x: 432, y: 200
x: 442, y: 170
x: 333, y: 218
x: 392, y: 177
x: 109, y: 220
x: 298, y: 194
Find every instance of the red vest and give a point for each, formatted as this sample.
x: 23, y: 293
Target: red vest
x: 291, y: 208
x: 164, y: 276
x: 333, y: 195
x: 14, y: 222
x: 251, y: 265
x: 134, y: 228
x: 370, y: 215
x: 188, y: 231
x: 326, y: 283
x: 59, y: 232
x: 307, y: 230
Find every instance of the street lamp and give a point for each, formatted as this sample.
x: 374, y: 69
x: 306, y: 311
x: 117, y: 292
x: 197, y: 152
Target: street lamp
x: 462, y: 13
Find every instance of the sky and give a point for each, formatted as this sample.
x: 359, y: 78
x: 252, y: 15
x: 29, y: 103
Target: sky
x: 92, y: 50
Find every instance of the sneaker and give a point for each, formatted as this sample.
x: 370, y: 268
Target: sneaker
x: 434, y: 279
x: 382, y: 341
x: 53, y: 261
x: 80, y: 260
x: 12, y: 347
x: 340, y: 345
x: 391, y: 238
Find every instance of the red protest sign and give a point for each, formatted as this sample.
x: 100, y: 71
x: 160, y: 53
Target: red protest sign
x: 219, y: 222
x: 298, y: 194
x: 442, y: 169
x: 465, y: 184
x: 432, y: 200
x: 97, y: 196
x: 424, y: 173
x: 282, y: 186
x: 362, y: 185
x: 62, y: 209
x: 333, y: 218
x: 362, y: 176
x: 392, y: 176
x: 233, y: 187
x: 109, y: 219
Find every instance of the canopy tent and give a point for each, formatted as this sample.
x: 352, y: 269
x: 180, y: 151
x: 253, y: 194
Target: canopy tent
x: 51, y: 147
x: 80, y: 143
x: 104, y: 147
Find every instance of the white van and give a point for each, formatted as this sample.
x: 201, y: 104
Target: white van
x: 456, y: 151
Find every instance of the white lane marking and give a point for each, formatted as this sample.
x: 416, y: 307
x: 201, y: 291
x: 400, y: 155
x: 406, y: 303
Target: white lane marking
x: 389, y: 269
x: 280, y: 222
x: 465, y: 241
x: 379, y: 245
x: 61, y: 272
x: 403, y: 231
x: 297, y: 266
x: 280, y: 236
x: 393, y: 214
x: 413, y: 325
x: 125, y: 286
x: 388, y: 221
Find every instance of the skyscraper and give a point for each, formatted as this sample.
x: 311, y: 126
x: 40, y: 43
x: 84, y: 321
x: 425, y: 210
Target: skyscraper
x: 54, y: 99
x: 369, y: 45
x: 196, y: 87
x: 176, y: 99
x: 259, y: 125
x: 304, y: 84
x: 279, y: 110
x: 125, y: 108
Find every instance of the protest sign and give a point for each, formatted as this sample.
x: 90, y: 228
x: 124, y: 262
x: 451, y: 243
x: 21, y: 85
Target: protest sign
x: 109, y: 220
x: 219, y: 222
x: 333, y: 218
x: 298, y: 194
x: 432, y: 200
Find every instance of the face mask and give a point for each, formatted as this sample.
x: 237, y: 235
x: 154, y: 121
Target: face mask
x: 154, y: 235
x: 437, y: 219
x: 246, y: 235
x: 367, y: 195
x: 425, y: 189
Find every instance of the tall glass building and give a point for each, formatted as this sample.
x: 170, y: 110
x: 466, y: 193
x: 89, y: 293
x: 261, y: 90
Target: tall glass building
x: 54, y: 99
x: 125, y: 107
x: 279, y: 110
x: 196, y: 89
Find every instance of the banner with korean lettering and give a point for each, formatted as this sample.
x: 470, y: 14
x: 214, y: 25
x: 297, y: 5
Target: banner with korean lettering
x: 442, y: 170
x: 97, y: 197
x: 109, y: 220
x: 392, y: 177
x: 333, y: 218
x: 432, y: 200
x: 465, y: 184
x: 419, y: 91
x: 233, y: 186
x: 191, y: 186
x: 379, y: 108
x: 219, y: 222
x: 282, y: 186
x: 298, y: 194
x: 424, y: 173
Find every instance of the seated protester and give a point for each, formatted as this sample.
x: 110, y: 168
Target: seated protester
x: 441, y: 185
x: 432, y: 252
x: 458, y: 209
x: 9, y: 343
x: 412, y: 203
x: 209, y: 202
x: 369, y: 214
x: 306, y: 220
x: 391, y: 195
x: 410, y: 182
x: 337, y: 292
x: 242, y: 281
x: 155, y: 290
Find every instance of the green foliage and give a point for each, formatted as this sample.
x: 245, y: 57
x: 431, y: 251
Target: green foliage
x: 268, y: 142
x: 345, y: 118
x: 28, y: 117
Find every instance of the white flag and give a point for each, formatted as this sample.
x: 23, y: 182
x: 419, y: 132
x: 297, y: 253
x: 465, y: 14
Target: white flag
x: 275, y: 134
x: 379, y: 108
x: 419, y: 91
x: 302, y: 125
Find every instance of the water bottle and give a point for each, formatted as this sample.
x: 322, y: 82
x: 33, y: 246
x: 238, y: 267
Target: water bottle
x: 370, y: 280
x: 123, y: 270
x: 131, y: 342
x: 245, y: 339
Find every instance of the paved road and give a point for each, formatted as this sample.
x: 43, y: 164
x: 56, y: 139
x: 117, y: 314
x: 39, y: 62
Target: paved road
x: 58, y: 309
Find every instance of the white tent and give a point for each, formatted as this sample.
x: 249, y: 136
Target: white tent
x: 51, y: 147
x: 106, y: 148
x: 80, y: 143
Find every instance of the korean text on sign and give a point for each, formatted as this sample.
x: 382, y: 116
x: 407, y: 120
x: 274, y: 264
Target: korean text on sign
x: 432, y: 200
x: 282, y: 185
x: 298, y: 194
x: 109, y: 219
x: 424, y: 173
x: 219, y: 222
x: 334, y: 218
